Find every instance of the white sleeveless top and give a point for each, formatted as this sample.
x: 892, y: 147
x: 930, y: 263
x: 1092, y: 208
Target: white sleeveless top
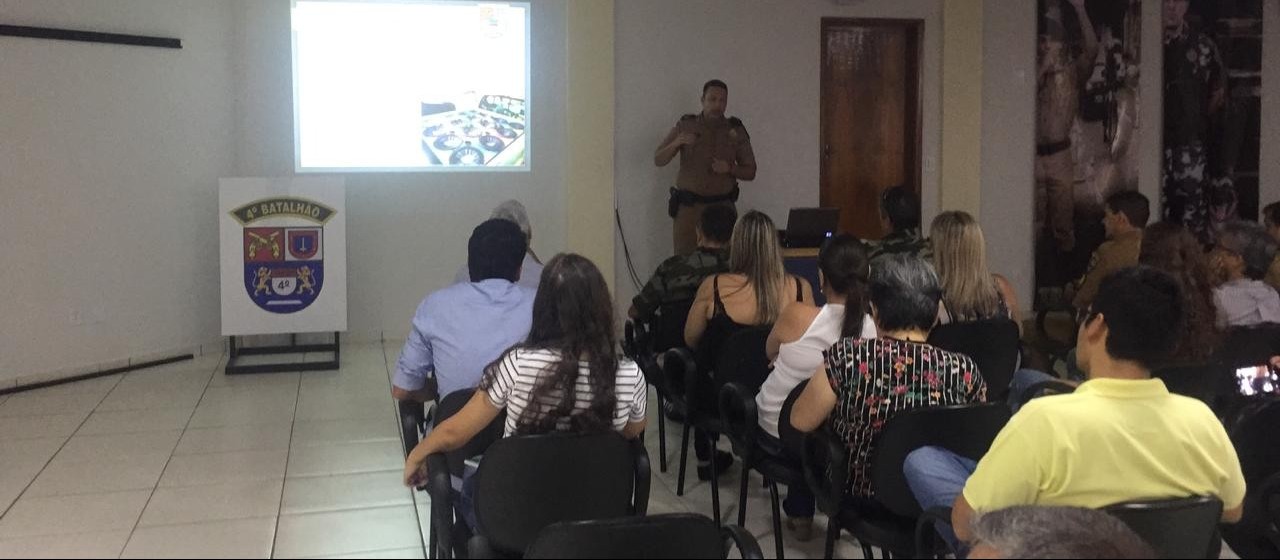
x: 797, y: 361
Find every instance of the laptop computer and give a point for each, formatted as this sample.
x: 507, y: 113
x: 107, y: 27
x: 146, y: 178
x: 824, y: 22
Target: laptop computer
x: 810, y: 227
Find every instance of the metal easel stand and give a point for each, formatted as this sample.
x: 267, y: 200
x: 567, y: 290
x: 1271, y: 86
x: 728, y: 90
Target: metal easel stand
x: 292, y: 348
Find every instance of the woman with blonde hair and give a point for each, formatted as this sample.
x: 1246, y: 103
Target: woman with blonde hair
x: 970, y: 292
x: 753, y: 293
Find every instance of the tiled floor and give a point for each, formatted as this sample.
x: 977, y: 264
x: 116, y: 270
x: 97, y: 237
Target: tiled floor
x: 182, y: 461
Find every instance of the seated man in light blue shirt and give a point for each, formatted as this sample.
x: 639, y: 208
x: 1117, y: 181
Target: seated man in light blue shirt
x: 459, y: 330
x: 531, y: 269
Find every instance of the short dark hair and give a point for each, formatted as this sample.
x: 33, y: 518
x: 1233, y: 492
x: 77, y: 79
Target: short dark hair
x: 717, y: 222
x: 496, y: 250
x: 714, y: 83
x: 902, y: 208
x: 905, y: 291
x: 1133, y: 204
x: 1271, y: 214
x: 1143, y: 311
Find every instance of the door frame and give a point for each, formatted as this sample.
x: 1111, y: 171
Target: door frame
x: 913, y: 149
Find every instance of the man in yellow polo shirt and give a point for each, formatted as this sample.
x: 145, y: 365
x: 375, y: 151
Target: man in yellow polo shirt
x: 1120, y: 437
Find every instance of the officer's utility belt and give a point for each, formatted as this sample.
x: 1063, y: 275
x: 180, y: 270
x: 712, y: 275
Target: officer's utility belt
x: 681, y: 197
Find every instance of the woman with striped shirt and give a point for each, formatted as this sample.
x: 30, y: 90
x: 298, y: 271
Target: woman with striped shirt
x: 566, y: 378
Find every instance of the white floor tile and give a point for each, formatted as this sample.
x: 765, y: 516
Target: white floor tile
x: 242, y: 538
x: 198, y: 504
x: 34, y: 404
x: 241, y: 412
x: 87, y: 448
x: 168, y: 377
x: 98, y: 386
x: 355, y: 491
x: 336, y: 406
x: 224, y: 468
x: 220, y: 379
x: 347, y: 532
x: 133, y: 421
x: 35, y: 427
x: 162, y: 396
x: 68, y: 515
x: 331, y: 432
x: 106, y: 474
x: 20, y: 462
x: 417, y: 552
x: 262, y: 437
x: 347, y: 458
x: 88, y: 545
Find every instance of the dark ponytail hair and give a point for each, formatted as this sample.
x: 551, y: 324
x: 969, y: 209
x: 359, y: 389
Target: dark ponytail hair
x: 846, y: 267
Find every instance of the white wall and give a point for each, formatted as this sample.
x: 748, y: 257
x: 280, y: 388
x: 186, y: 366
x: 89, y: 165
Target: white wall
x: 768, y: 51
x: 406, y: 232
x: 109, y: 159
x: 109, y: 167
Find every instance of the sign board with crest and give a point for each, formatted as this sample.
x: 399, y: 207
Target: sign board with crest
x: 284, y: 266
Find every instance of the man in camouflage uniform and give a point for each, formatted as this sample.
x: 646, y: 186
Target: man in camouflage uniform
x: 715, y: 153
x: 677, y: 278
x: 1194, y: 92
x: 900, y: 214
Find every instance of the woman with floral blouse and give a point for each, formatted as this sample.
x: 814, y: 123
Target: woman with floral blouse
x: 865, y: 382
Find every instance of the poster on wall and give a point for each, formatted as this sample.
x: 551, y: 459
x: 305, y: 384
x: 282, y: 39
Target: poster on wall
x: 1212, y: 110
x: 1087, y: 129
x: 283, y: 255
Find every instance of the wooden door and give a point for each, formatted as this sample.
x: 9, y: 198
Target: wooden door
x: 870, y: 135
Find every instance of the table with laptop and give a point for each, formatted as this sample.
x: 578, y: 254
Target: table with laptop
x: 807, y: 229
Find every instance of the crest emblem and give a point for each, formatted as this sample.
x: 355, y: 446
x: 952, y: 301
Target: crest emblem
x: 284, y: 266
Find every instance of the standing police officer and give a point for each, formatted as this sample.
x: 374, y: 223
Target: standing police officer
x: 715, y: 153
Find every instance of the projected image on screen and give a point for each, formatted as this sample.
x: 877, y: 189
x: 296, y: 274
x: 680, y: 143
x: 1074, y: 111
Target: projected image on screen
x: 418, y: 85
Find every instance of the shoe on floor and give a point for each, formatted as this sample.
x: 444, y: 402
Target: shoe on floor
x: 724, y: 460
x: 801, y: 528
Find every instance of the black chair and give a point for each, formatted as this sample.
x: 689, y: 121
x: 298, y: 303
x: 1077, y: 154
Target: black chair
x: 442, y: 468
x: 1254, y: 437
x: 413, y: 423
x: 637, y: 344
x: 660, y: 536
x: 1249, y: 346
x: 993, y: 344
x: 1204, y: 382
x: 528, y: 483
x: 1181, y: 528
x: 1045, y: 389
x: 740, y: 417
x: 743, y: 354
x: 967, y: 430
x: 667, y: 327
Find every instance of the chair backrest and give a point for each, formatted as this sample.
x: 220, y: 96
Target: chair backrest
x: 826, y: 469
x: 1180, y: 528
x: 743, y: 359
x: 1256, y: 442
x: 993, y: 344
x: 637, y: 345
x: 526, y: 483
x: 450, y: 405
x: 967, y: 430
x: 667, y: 327
x: 1204, y: 382
x: 1249, y: 346
x: 659, y: 536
